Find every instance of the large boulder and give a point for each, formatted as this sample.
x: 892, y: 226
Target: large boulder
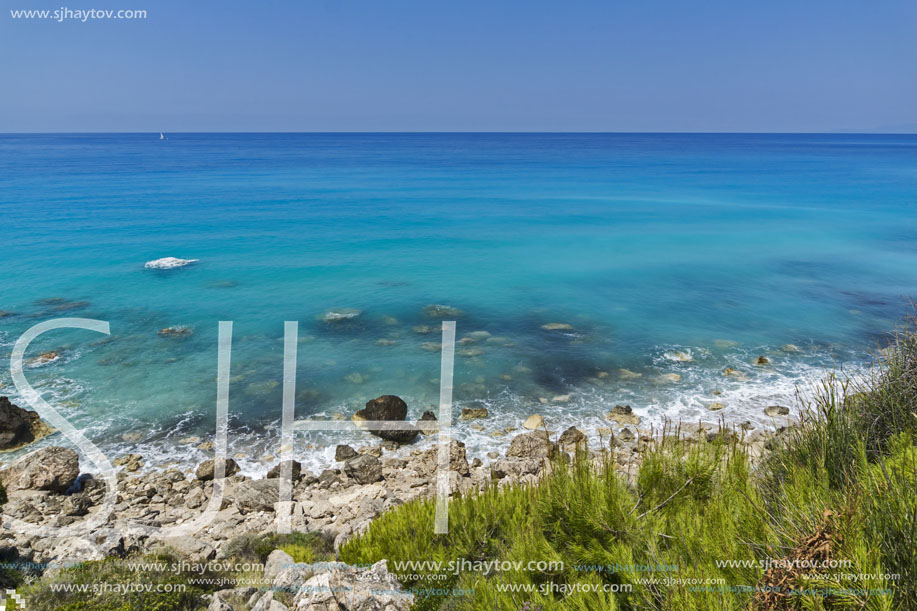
x: 19, y: 427
x: 364, y: 469
x: 388, y: 408
x: 207, y: 469
x: 346, y: 588
x: 531, y: 445
x: 257, y: 495
x: 53, y: 468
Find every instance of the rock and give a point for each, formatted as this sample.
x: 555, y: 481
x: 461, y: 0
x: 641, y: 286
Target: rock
x: 355, y: 378
x: 44, y: 359
x: 627, y: 374
x: 623, y: 414
x: 762, y: 360
x: 789, y: 348
x: 680, y: 357
x: 422, y: 329
x: 716, y: 392
x: 716, y: 406
x: 344, y: 452
x: 277, y: 470
x: 776, y: 410
x: 169, y: 263
x: 256, y: 495
x: 277, y: 562
x: 425, y: 424
x: 364, y: 469
x: 53, y: 468
x: 130, y: 462
x: 388, y: 408
x: 557, y: 326
x: 346, y: 588
x: 431, y: 346
x: 725, y: 343
x: 206, y: 470
x: 561, y: 398
x: 435, y: 310
x: 472, y: 413
x: 626, y: 435
x: 729, y: 372
x: 179, y: 331
x: 533, y: 422
x: 424, y: 462
x: 667, y: 378
x: 572, y: 436
x: 530, y: 445
x: 19, y: 427
x: 341, y: 315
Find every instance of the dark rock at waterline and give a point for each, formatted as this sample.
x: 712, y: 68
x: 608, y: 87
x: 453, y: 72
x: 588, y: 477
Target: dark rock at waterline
x: 207, y: 469
x: 364, y: 469
x: 19, y: 427
x: 175, y: 332
x: 776, y: 410
x: 344, y: 452
x: 571, y: 436
x: 52, y: 468
x: 277, y: 470
x: 388, y: 408
x: 425, y: 424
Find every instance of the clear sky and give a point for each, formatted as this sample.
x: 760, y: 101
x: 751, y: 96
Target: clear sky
x: 466, y: 65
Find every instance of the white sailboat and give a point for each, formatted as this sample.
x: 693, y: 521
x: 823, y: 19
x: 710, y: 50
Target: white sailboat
x: 161, y: 137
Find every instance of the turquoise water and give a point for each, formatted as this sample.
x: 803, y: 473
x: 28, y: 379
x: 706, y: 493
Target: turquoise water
x: 723, y: 247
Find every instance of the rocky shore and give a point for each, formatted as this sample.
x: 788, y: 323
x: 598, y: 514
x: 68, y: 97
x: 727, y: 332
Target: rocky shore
x: 48, y: 488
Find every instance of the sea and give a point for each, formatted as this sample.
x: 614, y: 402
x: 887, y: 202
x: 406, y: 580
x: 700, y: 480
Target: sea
x: 583, y: 271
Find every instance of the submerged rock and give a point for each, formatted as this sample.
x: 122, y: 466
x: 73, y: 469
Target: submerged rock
x: 177, y: 331
x: 341, y: 315
x: 53, y: 468
x: 668, y: 378
x: 19, y: 427
x: 45, y: 358
x: 436, y: 310
x: 169, y: 263
x: 627, y: 374
x: 472, y: 413
x: 680, y: 357
x: 789, y: 348
x: 776, y: 410
x: 557, y: 326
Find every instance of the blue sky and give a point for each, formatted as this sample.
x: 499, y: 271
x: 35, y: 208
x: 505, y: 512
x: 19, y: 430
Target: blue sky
x: 470, y: 65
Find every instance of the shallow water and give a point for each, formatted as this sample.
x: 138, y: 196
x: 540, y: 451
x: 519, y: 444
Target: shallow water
x: 723, y: 247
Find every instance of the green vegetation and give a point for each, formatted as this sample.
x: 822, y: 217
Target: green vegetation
x: 839, y: 488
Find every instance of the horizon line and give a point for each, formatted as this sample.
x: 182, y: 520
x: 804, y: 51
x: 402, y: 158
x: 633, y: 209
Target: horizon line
x: 467, y: 132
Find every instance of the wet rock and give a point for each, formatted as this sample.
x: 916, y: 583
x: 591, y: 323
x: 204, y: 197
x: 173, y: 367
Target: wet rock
x: 762, y: 360
x: 435, y: 310
x: 388, y: 408
x: 169, y: 263
x: 277, y: 470
x: 678, y: 356
x: 668, y: 378
x: 53, y: 468
x: 789, y: 348
x: 130, y: 462
x: 344, y: 452
x: 425, y: 424
x: 627, y: 374
x: 775, y: 411
x: 533, y: 422
x: 473, y: 413
x: 623, y: 414
x: 44, y: 359
x: 729, y: 372
x: 19, y: 427
x: 205, y: 471
x: 364, y: 469
x: 177, y: 331
x: 557, y: 326
x: 716, y: 406
x: 341, y: 315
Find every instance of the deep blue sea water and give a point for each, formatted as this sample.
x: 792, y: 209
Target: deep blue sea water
x: 722, y: 247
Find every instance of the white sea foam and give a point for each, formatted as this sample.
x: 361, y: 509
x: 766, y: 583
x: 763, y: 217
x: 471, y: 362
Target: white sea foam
x: 169, y: 263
